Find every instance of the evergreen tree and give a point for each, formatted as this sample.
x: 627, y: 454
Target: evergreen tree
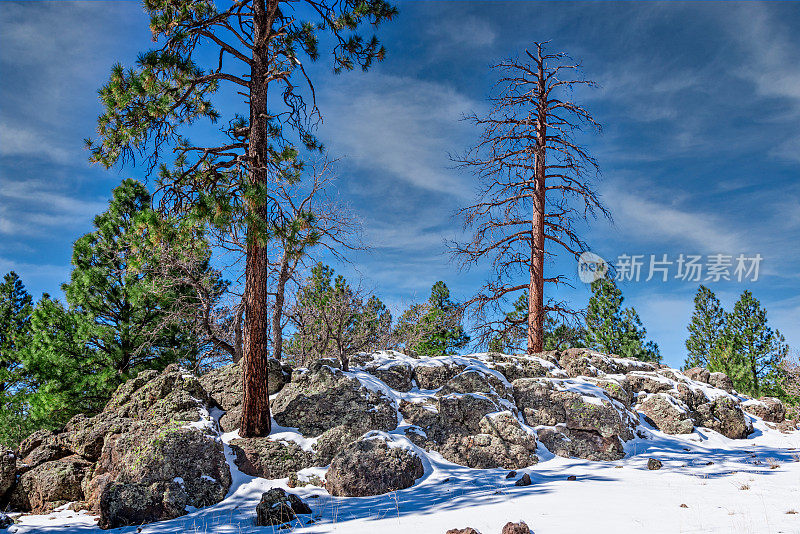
x: 705, y: 329
x: 15, y: 326
x: 333, y: 319
x: 255, y: 48
x: 613, y: 329
x: 121, y: 316
x: 433, y: 328
x: 758, y: 348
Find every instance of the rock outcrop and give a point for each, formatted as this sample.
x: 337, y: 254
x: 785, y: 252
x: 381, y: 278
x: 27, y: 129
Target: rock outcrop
x: 373, y: 465
x: 769, y: 409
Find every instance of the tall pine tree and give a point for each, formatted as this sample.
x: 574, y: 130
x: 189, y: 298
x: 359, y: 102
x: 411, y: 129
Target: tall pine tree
x: 706, y: 328
x: 760, y: 349
x: 613, y: 329
x: 254, y: 47
x: 433, y: 328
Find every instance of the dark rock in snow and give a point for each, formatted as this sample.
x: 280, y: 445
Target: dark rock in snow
x: 278, y: 507
x: 467, y: 530
x: 653, y: 464
x: 516, y: 528
x: 5, y: 521
x: 525, y: 480
x: 769, y: 409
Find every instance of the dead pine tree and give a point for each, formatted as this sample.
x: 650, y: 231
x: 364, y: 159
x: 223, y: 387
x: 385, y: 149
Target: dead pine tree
x: 535, y: 184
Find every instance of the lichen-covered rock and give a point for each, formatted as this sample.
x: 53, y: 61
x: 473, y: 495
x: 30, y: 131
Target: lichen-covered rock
x: 514, y: 367
x: 701, y: 374
x: 278, y: 507
x: 617, y: 389
x: 433, y: 374
x: 333, y: 441
x: 261, y: 457
x: 501, y: 442
x: 578, y: 362
x: 462, y: 412
x: 647, y: 382
x: 542, y: 403
x: 516, y: 528
x: 667, y: 414
x: 721, y: 381
x: 152, y: 473
x: 767, y: 408
x: 372, y: 466
x: 476, y: 381
x: 8, y: 471
x: 724, y: 415
x: 396, y: 375
x: 224, y: 386
x: 50, y: 484
x: 324, y: 398
x: 467, y: 530
x: 588, y: 445
x: 654, y: 464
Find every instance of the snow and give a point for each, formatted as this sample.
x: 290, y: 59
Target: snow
x: 703, y: 470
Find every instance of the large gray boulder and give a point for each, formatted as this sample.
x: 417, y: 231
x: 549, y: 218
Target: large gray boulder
x: 434, y: 373
x: 767, y: 408
x: 262, y: 457
x: 583, y: 444
x: 50, y: 484
x: 155, y: 473
x: 224, y: 386
x: 721, y: 381
x: 325, y: 397
x: 667, y: 414
x: 724, y: 415
x: 397, y: 375
x: 372, y: 466
x: 501, y: 442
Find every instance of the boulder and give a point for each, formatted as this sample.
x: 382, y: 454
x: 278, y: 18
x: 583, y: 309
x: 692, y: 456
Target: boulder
x: 462, y: 412
x: 333, y: 441
x: 224, y: 385
x: 584, y: 444
x: 578, y: 362
x: 667, y: 414
x: 501, y: 442
x: 524, y: 480
x: 516, y: 528
x: 467, y: 530
x: 654, y: 464
x: 372, y: 466
x: 724, y: 415
x: 647, y: 382
x: 8, y: 471
x: 514, y: 367
x: 154, y: 473
x: 321, y: 399
x: 769, y: 409
x: 701, y: 374
x: 434, y: 373
x: 278, y: 507
x: 50, y: 484
x: 5, y: 521
x: 617, y: 389
x: 721, y: 381
x: 262, y: 457
x: 396, y: 375
x: 476, y: 381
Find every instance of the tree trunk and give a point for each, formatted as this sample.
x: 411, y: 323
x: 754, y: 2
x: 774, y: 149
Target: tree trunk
x: 536, y: 287
x: 256, y: 419
x: 277, y: 312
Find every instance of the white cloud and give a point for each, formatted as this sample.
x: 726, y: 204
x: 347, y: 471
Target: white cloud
x: 645, y: 219
x: 400, y: 128
x: 470, y: 31
x: 15, y: 141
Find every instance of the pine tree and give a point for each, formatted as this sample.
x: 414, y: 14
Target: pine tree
x: 15, y: 323
x: 254, y: 47
x: 120, y: 319
x: 331, y: 318
x: 15, y: 330
x: 706, y: 328
x: 758, y: 348
x: 433, y: 328
x: 613, y: 329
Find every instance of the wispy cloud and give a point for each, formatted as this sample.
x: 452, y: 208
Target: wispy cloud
x: 400, y: 128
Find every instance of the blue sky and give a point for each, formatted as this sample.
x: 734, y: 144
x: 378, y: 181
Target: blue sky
x: 700, y: 152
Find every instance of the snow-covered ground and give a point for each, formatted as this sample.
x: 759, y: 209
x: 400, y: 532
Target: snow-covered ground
x: 728, y: 486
